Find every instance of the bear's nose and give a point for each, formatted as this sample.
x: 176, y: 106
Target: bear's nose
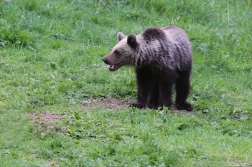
x: 105, y: 60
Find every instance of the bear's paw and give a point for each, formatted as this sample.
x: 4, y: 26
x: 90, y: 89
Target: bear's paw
x: 184, y: 106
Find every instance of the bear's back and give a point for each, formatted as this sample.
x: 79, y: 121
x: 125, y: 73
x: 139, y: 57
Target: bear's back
x: 175, y: 44
x: 177, y: 34
x: 181, y: 46
x: 151, y: 34
x: 170, y: 34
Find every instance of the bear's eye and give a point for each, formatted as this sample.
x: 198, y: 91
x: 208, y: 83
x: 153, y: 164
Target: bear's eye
x: 116, y: 52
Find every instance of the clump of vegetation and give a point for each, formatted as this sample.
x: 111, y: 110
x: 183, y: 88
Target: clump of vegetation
x: 10, y: 35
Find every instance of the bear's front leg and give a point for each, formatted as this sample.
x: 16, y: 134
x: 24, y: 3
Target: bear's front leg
x: 143, y: 78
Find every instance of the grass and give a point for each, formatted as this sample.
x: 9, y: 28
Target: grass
x: 50, y: 64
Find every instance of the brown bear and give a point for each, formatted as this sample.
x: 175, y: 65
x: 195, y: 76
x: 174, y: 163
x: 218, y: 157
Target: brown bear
x: 162, y: 57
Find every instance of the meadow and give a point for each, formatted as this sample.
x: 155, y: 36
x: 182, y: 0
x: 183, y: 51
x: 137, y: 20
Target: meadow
x: 60, y: 105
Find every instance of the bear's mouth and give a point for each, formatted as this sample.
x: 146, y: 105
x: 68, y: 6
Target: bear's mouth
x: 113, y: 67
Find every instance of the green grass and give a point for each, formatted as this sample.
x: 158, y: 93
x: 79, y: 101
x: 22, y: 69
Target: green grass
x: 50, y: 63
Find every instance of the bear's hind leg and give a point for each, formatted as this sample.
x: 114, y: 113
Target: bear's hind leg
x: 182, y: 91
x: 166, y: 82
x: 153, y: 97
x: 143, y: 77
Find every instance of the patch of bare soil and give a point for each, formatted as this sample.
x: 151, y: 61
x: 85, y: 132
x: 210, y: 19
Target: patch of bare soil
x: 241, y: 164
x: 117, y: 104
x: 107, y: 103
x: 43, y: 120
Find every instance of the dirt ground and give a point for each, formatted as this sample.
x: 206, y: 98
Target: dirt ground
x: 44, y: 119
x: 107, y: 103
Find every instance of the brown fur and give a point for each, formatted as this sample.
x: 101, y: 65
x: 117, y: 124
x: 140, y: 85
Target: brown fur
x: 162, y: 57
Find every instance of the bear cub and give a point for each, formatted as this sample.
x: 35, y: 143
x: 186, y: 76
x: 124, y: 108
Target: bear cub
x: 162, y: 57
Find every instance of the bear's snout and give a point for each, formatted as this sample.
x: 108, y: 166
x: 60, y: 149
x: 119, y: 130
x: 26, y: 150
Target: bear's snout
x: 105, y: 61
x: 112, y: 67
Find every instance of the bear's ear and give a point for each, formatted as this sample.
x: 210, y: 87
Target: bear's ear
x: 132, y: 41
x: 120, y: 36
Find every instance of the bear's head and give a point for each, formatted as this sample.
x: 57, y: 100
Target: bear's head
x: 123, y: 53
